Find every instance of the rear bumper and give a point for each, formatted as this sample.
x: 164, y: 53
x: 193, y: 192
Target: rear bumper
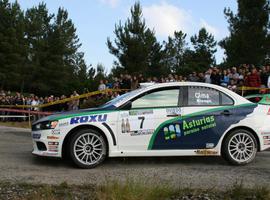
x: 265, y: 141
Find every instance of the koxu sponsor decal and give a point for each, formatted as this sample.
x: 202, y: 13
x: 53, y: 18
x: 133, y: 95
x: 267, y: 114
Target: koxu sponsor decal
x: 88, y: 118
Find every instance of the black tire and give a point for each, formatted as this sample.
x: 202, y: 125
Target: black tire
x: 88, y: 149
x: 230, y: 155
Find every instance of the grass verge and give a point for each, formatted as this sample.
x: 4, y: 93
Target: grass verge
x: 15, y: 124
x: 129, y: 190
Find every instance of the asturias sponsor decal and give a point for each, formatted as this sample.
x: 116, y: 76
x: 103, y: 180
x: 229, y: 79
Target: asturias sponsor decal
x: 195, y: 126
x: 88, y: 118
x: 173, y: 131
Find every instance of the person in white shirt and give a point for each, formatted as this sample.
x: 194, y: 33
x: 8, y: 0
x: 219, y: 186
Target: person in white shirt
x: 101, y: 86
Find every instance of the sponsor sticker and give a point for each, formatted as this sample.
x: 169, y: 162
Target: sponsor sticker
x: 206, y: 152
x: 88, y: 118
x: 50, y: 153
x: 209, y: 145
x: 173, y: 131
x: 202, y: 98
x: 197, y: 125
x: 56, y: 131
x: 52, y: 138
x: 53, y: 143
x: 36, y: 136
x: 173, y: 111
x: 63, y: 124
x: 265, y: 133
x: 142, y: 132
x: 140, y: 112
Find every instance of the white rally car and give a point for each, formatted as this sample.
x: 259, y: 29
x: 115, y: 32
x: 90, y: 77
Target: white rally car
x: 168, y: 119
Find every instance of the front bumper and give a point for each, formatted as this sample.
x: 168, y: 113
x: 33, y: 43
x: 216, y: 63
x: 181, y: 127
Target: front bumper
x: 47, y: 143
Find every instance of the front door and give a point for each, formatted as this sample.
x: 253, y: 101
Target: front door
x: 147, y: 113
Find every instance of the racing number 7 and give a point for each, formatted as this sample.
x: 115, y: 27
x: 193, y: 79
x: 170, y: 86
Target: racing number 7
x: 141, y: 118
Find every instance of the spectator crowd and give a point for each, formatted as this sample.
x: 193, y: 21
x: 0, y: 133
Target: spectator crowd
x: 231, y: 78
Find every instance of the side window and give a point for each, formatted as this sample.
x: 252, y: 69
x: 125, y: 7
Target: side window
x: 161, y: 98
x: 226, y: 100
x: 204, y: 96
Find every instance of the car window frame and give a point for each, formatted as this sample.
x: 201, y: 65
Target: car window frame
x: 186, y: 93
x: 180, y: 97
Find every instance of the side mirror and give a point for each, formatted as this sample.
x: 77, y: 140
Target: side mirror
x: 126, y: 106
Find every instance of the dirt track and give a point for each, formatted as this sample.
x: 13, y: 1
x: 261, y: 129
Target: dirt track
x: 18, y: 164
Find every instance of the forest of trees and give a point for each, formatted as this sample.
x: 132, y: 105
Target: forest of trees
x: 40, y: 51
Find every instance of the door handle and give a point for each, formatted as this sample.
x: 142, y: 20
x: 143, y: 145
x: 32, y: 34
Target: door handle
x: 173, y: 115
x: 226, y: 113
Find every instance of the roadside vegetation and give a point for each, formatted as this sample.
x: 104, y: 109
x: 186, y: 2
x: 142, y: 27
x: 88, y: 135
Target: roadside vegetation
x: 129, y: 190
x: 16, y: 124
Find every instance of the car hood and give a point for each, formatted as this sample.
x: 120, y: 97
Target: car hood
x: 70, y: 113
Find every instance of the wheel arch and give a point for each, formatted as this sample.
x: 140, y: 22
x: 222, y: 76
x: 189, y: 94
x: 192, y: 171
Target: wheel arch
x: 253, y: 132
x: 67, y: 139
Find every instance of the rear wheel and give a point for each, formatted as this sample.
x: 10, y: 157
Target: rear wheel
x: 240, y: 147
x: 88, y: 148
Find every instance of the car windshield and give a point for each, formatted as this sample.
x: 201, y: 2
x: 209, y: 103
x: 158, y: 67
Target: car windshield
x: 121, y: 98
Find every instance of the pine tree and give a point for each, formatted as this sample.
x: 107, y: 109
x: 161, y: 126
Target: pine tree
x: 174, y: 52
x: 202, y: 57
x: 248, y: 41
x: 136, y: 48
x: 38, y: 27
x: 64, y: 62
x: 13, y: 49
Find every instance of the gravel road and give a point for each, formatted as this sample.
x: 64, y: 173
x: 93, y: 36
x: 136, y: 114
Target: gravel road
x: 17, y: 164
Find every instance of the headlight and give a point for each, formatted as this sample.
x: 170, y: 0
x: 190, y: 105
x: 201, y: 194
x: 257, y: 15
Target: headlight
x: 44, y: 125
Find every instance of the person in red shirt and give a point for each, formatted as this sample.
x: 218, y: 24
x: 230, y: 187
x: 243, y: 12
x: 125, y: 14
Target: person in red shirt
x: 253, y: 80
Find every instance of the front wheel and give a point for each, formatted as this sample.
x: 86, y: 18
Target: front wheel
x: 240, y: 147
x: 88, y: 148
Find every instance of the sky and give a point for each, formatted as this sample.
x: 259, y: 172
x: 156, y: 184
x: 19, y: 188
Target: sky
x: 95, y: 21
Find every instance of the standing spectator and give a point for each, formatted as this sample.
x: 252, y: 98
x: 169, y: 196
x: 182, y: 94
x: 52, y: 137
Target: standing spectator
x: 215, y: 77
x: 76, y: 102
x: 116, y: 83
x: 224, y: 81
x: 235, y: 75
x: 141, y: 79
x: 253, y: 80
x: 126, y: 82
x: 207, y: 76
x: 193, y: 77
x: 232, y: 86
x: 241, y: 74
x: 180, y: 78
x: 101, y: 86
x: 170, y: 78
x: 108, y: 85
x: 201, y: 78
x: 2, y: 93
x: 264, y: 77
x: 70, y: 104
x: 134, y: 83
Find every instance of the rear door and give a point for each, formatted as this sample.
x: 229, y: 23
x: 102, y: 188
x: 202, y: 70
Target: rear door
x: 206, y: 114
